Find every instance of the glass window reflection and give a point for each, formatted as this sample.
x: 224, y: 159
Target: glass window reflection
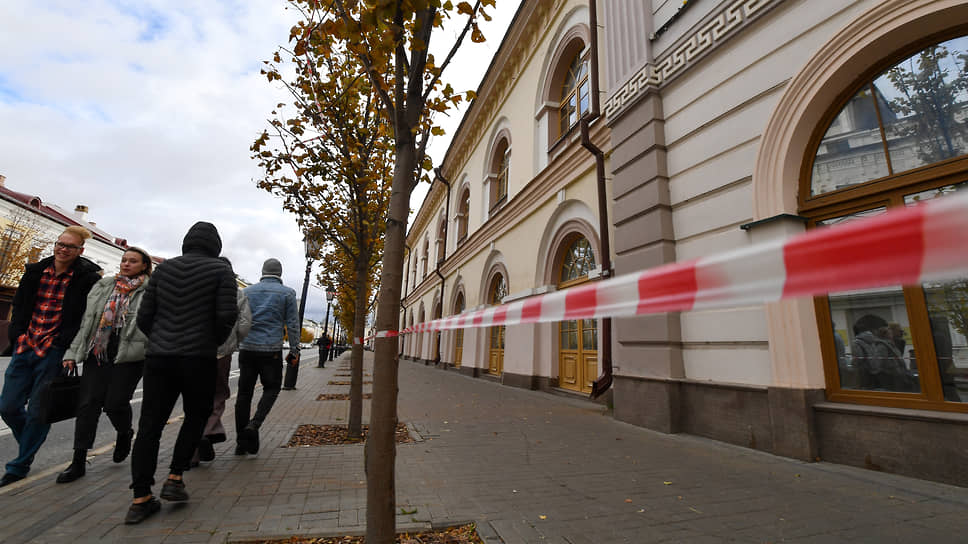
x: 917, y: 110
x: 872, y: 334
x: 947, y: 304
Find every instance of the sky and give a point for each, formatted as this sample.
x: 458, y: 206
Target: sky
x: 144, y: 111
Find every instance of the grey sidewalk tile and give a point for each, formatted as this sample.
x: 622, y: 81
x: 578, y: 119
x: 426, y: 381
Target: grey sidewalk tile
x: 481, y: 442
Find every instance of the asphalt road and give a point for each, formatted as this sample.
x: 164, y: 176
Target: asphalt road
x: 59, y: 447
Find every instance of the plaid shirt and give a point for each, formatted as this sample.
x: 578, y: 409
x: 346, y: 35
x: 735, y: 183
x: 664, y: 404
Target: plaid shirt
x: 46, y: 319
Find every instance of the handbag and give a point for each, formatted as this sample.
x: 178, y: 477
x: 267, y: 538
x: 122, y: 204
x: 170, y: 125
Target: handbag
x: 60, y: 397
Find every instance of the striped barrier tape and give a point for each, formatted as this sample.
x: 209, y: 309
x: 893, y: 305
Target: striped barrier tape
x: 907, y: 246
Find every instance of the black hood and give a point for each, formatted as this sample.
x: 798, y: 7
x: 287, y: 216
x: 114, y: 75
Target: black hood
x: 202, y: 238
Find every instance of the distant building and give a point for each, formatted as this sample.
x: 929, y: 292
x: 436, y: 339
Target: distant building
x: 47, y: 221
x: 103, y: 248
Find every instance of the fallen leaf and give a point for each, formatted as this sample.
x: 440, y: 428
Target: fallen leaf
x: 628, y: 500
x: 667, y: 483
x: 331, y: 435
x: 542, y: 516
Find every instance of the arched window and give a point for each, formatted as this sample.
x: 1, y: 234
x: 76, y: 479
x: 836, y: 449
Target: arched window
x: 425, y: 258
x: 441, y: 240
x: 463, y: 211
x: 578, y: 348
x: 574, y: 94
x: 438, y: 307
x: 495, y: 294
x: 406, y: 275
x: 900, y: 138
x: 421, y: 336
x: 458, y: 333
x: 500, y: 167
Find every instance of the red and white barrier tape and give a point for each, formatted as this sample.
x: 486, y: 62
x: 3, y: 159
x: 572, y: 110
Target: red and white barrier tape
x: 904, y: 246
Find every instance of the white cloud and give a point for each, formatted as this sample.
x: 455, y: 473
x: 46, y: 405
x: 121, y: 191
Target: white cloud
x: 144, y: 110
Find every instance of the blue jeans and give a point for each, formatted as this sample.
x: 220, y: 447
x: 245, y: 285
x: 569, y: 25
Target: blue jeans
x: 21, y: 385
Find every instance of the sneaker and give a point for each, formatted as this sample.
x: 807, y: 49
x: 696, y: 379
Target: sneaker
x: 205, y: 450
x: 174, y: 490
x: 73, y: 472
x: 122, y: 447
x: 10, y: 478
x: 140, y: 512
x: 239, y: 448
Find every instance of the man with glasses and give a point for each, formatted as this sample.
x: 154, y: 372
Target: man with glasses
x: 47, y: 311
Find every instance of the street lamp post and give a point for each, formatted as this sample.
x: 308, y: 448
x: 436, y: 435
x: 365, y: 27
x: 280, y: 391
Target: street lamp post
x: 292, y: 370
x: 324, y: 352
x: 336, y: 333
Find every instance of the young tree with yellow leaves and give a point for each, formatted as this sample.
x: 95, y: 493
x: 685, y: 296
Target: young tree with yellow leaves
x: 390, y: 38
x: 341, y: 268
x: 328, y: 155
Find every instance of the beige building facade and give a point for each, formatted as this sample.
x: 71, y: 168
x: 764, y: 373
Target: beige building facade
x: 724, y: 124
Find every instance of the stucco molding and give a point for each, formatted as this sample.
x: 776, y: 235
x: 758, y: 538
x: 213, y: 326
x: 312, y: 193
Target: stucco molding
x: 553, y: 251
x: 710, y: 33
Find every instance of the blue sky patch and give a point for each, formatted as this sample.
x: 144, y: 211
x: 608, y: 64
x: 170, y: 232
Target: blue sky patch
x: 152, y: 23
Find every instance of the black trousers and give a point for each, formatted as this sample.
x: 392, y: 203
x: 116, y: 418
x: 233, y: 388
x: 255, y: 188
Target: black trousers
x: 266, y: 366
x: 108, y: 387
x: 165, y: 379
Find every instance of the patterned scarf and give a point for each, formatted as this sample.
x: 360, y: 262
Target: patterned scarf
x: 113, y: 316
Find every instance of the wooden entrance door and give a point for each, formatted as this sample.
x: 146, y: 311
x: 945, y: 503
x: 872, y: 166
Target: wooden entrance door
x: 578, y: 339
x: 458, y: 333
x: 495, y: 359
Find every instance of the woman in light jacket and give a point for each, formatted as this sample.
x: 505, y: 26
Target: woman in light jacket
x: 113, y: 351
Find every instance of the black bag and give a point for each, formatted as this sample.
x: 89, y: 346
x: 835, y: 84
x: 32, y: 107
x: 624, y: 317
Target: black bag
x: 60, y: 397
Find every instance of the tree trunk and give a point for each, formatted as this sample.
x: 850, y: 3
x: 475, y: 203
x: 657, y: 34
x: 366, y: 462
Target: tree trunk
x: 380, y: 450
x: 355, y: 429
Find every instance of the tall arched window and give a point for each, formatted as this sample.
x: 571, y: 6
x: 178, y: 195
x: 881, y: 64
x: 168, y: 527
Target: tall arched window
x: 425, y: 258
x: 458, y: 333
x: 441, y: 240
x: 495, y: 294
x: 578, y: 348
x: 901, y: 138
x: 406, y: 275
x: 436, y: 334
x: 421, y: 336
x: 463, y: 211
x: 500, y: 167
x: 574, y: 94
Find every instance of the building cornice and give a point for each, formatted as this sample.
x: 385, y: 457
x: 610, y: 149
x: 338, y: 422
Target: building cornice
x: 531, y: 25
x: 704, y: 37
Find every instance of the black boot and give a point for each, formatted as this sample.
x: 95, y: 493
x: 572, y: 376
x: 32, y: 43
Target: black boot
x: 76, y: 469
x: 122, y: 447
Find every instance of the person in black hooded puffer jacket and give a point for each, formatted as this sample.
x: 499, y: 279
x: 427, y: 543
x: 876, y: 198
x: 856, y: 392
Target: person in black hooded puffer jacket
x: 188, y: 310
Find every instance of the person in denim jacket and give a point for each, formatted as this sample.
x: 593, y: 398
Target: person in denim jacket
x: 274, y: 314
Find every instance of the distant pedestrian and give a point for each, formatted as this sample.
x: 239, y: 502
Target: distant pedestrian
x: 274, y: 316
x: 189, y: 309
x: 112, y: 348
x: 47, y: 310
x: 324, y: 344
x: 214, y: 431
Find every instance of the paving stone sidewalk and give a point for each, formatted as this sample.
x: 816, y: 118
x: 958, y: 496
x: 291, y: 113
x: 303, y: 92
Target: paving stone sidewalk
x: 528, y: 467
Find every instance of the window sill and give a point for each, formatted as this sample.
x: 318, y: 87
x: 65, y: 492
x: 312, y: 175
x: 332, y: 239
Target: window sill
x: 498, y: 205
x: 897, y: 413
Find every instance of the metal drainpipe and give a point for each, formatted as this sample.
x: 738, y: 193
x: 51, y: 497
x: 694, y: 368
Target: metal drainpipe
x: 403, y: 300
x: 440, y: 261
x: 604, y: 381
